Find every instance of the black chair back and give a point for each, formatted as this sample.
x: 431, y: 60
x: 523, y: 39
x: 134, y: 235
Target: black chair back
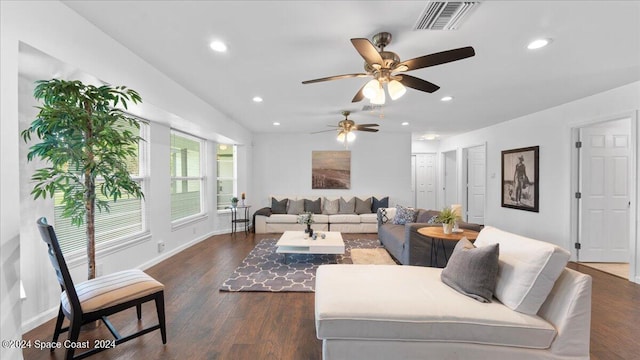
x: 60, y: 266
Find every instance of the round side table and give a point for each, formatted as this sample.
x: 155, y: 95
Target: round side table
x: 439, y: 237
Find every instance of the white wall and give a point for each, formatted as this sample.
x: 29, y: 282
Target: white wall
x: 380, y: 166
x: 54, y: 29
x: 551, y: 130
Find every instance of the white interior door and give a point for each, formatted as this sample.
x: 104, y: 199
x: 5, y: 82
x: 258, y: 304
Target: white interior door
x: 426, y: 181
x: 413, y: 180
x: 476, y: 183
x: 450, y: 178
x: 604, y: 187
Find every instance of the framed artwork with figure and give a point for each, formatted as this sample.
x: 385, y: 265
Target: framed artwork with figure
x: 520, y: 178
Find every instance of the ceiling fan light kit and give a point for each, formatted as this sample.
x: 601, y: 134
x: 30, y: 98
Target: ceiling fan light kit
x: 384, y: 67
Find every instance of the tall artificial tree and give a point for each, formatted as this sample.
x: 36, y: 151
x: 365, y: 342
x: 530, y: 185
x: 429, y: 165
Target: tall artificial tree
x: 85, y: 143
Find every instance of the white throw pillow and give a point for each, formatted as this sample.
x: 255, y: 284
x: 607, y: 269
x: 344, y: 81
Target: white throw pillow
x: 528, y: 268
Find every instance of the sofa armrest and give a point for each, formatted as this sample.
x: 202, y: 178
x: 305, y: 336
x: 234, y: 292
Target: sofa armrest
x: 417, y: 247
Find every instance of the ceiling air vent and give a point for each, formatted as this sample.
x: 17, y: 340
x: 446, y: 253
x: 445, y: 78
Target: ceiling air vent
x: 444, y: 15
x: 372, y: 107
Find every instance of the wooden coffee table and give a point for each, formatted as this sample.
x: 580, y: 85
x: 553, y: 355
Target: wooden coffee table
x: 298, y: 242
x: 438, y: 236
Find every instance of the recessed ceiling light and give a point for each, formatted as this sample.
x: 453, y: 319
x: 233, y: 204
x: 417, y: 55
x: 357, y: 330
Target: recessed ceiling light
x: 430, y: 137
x: 447, y: 98
x: 257, y: 99
x: 405, y: 123
x: 276, y: 124
x: 218, y: 46
x: 538, y: 43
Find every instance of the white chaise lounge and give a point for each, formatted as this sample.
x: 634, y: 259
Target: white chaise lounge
x: 407, y: 312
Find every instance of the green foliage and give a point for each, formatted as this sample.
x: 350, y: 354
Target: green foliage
x: 446, y: 216
x: 86, y: 141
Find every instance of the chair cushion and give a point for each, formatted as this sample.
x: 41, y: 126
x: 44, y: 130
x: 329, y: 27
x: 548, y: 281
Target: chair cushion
x: 528, y: 268
x: 113, y: 289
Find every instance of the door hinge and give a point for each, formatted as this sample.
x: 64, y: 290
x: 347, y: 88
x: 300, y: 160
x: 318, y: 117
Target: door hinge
x: 577, y: 245
x: 578, y: 195
x: 578, y: 144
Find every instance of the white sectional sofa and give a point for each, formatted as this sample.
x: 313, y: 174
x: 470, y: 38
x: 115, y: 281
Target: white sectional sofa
x: 345, y: 223
x: 541, y: 310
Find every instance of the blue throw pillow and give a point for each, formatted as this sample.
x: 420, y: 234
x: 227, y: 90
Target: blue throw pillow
x: 377, y: 204
x: 404, y: 215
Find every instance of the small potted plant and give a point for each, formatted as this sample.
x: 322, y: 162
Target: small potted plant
x: 447, y: 218
x: 306, y: 219
x: 234, y: 201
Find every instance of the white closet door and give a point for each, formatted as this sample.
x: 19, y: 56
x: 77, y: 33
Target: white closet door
x: 426, y: 181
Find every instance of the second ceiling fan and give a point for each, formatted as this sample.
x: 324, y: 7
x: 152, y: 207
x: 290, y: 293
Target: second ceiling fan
x: 386, y: 68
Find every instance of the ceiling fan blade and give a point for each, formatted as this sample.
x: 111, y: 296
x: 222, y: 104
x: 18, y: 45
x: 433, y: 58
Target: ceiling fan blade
x: 418, y: 84
x: 438, y: 58
x: 369, y: 52
x: 359, y: 95
x: 367, y: 129
x: 366, y: 125
x: 336, y: 77
x: 323, y: 131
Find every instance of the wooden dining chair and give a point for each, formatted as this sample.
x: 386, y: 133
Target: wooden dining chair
x: 98, y: 298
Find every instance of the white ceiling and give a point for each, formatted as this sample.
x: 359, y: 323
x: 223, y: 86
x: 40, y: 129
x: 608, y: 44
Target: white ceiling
x: 274, y: 45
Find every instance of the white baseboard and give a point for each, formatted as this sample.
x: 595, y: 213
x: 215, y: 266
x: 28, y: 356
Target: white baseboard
x: 40, y: 319
x: 47, y: 315
x: 178, y: 249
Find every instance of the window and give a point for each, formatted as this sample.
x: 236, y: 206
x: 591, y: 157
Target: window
x: 186, y: 176
x: 126, y: 218
x: 227, y: 185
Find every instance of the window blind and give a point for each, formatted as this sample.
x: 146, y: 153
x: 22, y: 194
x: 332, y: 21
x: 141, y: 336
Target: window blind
x: 186, y: 178
x: 126, y: 216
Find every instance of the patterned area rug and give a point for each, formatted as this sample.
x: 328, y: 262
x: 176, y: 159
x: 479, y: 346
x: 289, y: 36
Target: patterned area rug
x: 265, y: 270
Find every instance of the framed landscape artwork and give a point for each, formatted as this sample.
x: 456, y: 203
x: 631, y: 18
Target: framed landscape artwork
x: 520, y: 178
x: 331, y: 169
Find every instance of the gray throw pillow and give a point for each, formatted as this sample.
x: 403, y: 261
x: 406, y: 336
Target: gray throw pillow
x: 279, y: 206
x: 363, y: 206
x: 331, y: 207
x: 312, y: 206
x: 347, y: 207
x: 296, y: 207
x: 472, y: 271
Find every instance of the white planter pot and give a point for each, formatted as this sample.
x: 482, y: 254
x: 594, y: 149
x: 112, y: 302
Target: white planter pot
x: 446, y: 228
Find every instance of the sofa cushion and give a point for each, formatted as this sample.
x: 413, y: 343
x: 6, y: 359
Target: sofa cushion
x: 528, y: 268
x: 404, y: 215
x: 313, y: 206
x: 344, y: 219
x: 363, y: 206
x: 347, y: 207
x: 472, y: 271
x: 281, y: 219
x: 426, y: 216
x: 368, y: 218
x: 279, y: 206
x: 411, y: 303
x: 296, y: 207
x: 379, y: 203
x: 320, y: 219
x: 331, y: 207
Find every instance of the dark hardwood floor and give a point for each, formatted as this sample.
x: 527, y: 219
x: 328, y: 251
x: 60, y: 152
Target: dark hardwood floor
x: 204, y: 323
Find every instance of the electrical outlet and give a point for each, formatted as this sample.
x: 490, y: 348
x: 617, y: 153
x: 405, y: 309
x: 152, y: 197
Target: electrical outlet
x: 160, y: 246
x: 99, y: 269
